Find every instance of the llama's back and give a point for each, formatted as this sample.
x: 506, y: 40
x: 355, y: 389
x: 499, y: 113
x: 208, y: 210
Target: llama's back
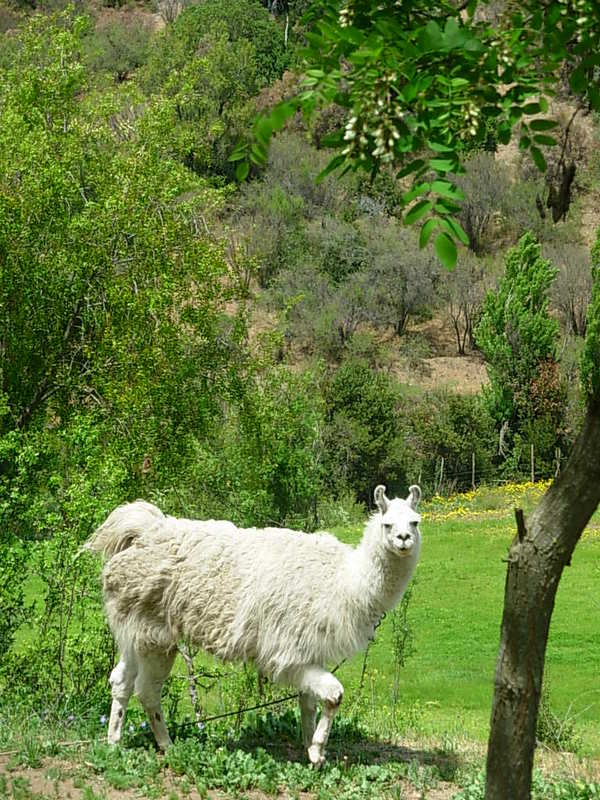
x: 239, y: 594
x: 269, y: 595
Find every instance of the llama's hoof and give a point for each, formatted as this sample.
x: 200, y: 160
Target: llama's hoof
x: 317, y: 759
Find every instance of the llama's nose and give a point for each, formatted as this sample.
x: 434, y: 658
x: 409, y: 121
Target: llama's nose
x: 403, y: 537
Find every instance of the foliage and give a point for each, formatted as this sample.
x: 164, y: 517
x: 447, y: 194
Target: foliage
x: 402, y: 277
x: 202, y: 98
x: 486, y: 186
x: 542, y: 788
x: 244, y: 24
x: 119, y: 47
x: 463, y: 291
x: 449, y: 426
x: 515, y: 332
x: 573, y: 286
x: 361, y: 439
x: 554, y: 731
x: 415, y: 87
x: 262, y: 463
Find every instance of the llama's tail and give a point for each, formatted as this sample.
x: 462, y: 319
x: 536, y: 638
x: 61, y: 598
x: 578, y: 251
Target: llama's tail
x: 124, y: 525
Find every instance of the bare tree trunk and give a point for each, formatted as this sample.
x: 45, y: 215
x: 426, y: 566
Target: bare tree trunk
x: 536, y: 560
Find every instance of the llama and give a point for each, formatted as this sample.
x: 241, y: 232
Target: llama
x: 288, y: 601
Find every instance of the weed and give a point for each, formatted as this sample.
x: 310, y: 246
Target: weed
x: 554, y: 731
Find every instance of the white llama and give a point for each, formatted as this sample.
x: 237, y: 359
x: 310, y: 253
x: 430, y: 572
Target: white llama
x: 290, y: 602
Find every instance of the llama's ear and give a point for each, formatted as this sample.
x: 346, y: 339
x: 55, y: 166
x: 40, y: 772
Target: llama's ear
x: 380, y: 499
x: 414, y: 496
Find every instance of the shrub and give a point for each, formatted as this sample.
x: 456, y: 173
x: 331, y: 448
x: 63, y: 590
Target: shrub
x: 572, y: 289
x: 119, y: 47
x: 486, y: 186
x: 402, y: 277
x: 518, y: 338
x: 246, y: 20
x: 361, y: 438
x: 452, y: 426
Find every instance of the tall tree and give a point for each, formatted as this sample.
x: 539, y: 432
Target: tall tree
x: 418, y: 81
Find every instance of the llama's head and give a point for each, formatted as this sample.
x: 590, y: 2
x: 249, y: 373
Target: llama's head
x: 400, y: 521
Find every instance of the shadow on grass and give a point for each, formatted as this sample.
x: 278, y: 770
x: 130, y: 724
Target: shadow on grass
x: 350, y: 743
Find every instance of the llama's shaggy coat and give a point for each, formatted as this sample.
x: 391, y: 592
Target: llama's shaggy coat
x: 288, y: 601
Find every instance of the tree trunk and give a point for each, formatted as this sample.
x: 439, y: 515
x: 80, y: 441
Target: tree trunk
x: 536, y: 560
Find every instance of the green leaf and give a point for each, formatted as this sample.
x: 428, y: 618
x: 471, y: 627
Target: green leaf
x: 263, y: 130
x: 538, y: 158
x: 442, y: 164
x: 426, y: 230
x: 542, y: 124
x: 445, y: 249
x: 431, y: 36
x: 280, y: 114
x: 416, y: 191
x: 258, y: 154
x: 447, y: 189
x: 412, y: 166
x: 417, y: 211
x: 240, y: 152
x: 578, y: 80
x: 333, y: 165
x: 445, y: 207
x: 455, y: 229
x: 242, y: 170
x: 438, y: 147
x: 549, y: 141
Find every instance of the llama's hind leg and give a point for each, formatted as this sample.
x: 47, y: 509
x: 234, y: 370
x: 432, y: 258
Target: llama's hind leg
x: 322, y: 686
x: 154, y: 668
x: 122, y: 680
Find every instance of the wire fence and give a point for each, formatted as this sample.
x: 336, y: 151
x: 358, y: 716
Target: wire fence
x: 444, y: 478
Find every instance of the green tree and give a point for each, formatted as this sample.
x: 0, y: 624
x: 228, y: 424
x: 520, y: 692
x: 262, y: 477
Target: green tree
x: 99, y: 257
x: 518, y: 338
x: 362, y: 443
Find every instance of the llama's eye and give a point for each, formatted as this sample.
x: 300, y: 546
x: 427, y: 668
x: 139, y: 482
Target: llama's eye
x: 387, y: 527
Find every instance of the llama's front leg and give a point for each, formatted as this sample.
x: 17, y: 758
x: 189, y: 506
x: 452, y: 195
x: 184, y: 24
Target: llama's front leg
x: 308, y: 717
x: 323, y: 686
x: 122, y: 680
x: 153, y: 671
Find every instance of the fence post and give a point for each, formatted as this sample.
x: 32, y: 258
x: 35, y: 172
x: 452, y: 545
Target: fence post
x: 473, y: 470
x: 532, y: 465
x: 439, y: 489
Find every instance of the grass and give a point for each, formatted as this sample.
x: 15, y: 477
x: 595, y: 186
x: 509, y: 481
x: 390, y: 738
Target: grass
x: 435, y: 733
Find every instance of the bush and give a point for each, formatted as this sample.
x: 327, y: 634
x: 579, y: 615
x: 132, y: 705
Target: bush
x: 402, y: 277
x: 262, y: 464
x: 451, y: 426
x: 515, y: 332
x: 119, y: 47
x: 240, y: 20
x: 486, y: 186
x: 361, y: 438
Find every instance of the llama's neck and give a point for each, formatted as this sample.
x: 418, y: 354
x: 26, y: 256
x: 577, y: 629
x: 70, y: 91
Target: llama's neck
x: 380, y: 577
